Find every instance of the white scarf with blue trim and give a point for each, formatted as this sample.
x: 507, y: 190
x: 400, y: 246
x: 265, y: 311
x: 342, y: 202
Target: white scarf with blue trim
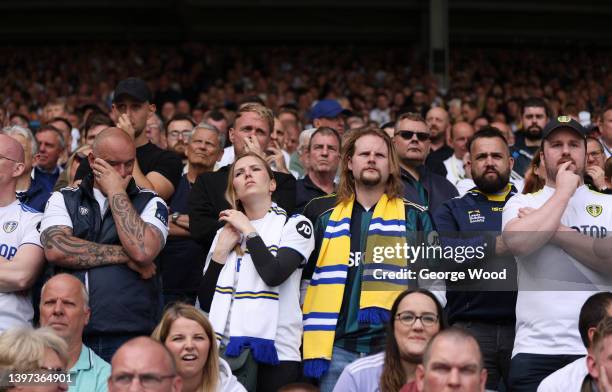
x: 243, y: 305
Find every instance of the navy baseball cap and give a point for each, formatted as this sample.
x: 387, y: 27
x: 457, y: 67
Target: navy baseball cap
x: 564, y: 122
x: 133, y: 87
x: 328, y: 108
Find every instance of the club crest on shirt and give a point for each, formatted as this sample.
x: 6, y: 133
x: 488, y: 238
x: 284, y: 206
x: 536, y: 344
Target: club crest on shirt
x: 475, y: 216
x: 83, y: 210
x: 594, y: 210
x: 10, y: 226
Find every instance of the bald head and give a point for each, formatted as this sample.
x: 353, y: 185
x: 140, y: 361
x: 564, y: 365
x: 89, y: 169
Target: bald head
x: 111, y: 134
x: 142, y: 347
x: 68, y: 282
x: 143, y: 355
x: 11, y: 148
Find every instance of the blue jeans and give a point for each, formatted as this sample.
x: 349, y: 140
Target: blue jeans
x: 106, y: 345
x: 528, y: 370
x: 340, y: 358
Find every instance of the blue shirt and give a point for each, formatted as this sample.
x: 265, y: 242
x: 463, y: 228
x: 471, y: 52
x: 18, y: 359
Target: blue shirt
x: 90, y: 373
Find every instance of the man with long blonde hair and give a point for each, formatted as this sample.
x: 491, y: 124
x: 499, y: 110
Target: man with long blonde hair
x: 348, y: 301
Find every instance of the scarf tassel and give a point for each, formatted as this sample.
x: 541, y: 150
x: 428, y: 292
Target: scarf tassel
x: 373, y: 315
x: 263, y: 350
x: 316, y: 368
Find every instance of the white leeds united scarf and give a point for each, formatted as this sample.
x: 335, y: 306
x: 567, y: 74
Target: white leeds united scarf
x: 251, y: 305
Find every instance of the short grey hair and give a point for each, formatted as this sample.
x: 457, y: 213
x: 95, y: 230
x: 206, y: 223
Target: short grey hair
x: 84, y: 292
x: 26, y: 133
x: 210, y: 127
x: 304, y: 140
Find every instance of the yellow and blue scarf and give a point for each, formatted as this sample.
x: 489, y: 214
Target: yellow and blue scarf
x: 326, y: 291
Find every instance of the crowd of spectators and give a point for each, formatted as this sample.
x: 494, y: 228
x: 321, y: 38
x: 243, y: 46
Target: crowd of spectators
x: 231, y: 202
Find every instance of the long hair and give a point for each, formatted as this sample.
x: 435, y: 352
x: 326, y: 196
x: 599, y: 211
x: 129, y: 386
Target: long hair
x: 230, y: 192
x: 393, y: 376
x: 533, y: 181
x: 346, y: 187
x: 210, y: 375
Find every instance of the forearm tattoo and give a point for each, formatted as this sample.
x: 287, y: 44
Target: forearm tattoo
x: 78, y: 253
x: 130, y: 224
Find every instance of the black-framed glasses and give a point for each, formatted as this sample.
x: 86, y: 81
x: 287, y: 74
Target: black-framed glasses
x: 9, y: 159
x: 147, y: 380
x: 407, y: 135
x: 408, y: 319
x: 184, y: 134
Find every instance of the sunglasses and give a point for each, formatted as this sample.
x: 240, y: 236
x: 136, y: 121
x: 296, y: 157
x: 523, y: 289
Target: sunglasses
x: 408, y: 135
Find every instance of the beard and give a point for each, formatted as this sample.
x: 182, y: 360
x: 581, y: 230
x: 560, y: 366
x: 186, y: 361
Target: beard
x: 494, y: 185
x: 369, y: 180
x: 533, y: 133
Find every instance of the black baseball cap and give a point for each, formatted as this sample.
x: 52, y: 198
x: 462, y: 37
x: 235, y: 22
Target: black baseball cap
x: 564, y: 122
x: 133, y: 87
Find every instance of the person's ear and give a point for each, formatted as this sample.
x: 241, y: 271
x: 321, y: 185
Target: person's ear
x: 420, y: 377
x: 19, y: 169
x: 483, y: 379
x: 230, y: 134
x: 592, y: 366
x: 152, y: 108
x: 272, y: 186
x: 511, y: 163
x: 590, y: 333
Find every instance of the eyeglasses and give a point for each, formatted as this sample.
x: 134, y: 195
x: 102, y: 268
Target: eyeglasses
x: 9, y: 159
x: 147, y: 380
x: 184, y: 134
x: 594, y: 154
x: 408, y: 319
x: 407, y: 135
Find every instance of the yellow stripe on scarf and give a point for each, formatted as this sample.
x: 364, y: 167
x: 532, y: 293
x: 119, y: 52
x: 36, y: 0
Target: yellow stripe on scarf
x: 326, y: 291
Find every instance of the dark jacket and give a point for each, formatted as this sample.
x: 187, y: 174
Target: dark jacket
x: 305, y: 191
x: 475, y: 220
x: 207, y: 200
x: 120, y: 300
x: 437, y: 188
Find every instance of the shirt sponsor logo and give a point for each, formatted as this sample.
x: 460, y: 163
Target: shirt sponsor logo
x: 594, y: 210
x: 304, y: 229
x: 475, y: 216
x: 83, y: 210
x: 161, y: 213
x: 10, y: 226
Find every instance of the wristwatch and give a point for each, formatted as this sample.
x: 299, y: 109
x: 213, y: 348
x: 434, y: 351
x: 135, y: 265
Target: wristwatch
x: 175, y: 217
x: 252, y: 234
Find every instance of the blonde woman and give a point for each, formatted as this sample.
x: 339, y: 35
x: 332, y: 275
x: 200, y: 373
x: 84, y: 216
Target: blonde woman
x: 188, y: 335
x: 253, y: 276
x: 32, y: 351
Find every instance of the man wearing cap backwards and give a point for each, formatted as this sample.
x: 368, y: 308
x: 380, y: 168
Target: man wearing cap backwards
x: 558, y: 236
x: 329, y: 113
x: 154, y: 168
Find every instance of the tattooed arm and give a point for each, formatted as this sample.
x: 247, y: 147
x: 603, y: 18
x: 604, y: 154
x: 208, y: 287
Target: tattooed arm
x: 68, y: 251
x: 142, y: 241
x: 65, y: 250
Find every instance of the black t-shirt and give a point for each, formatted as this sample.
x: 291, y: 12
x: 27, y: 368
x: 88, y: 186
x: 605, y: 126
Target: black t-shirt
x: 150, y: 159
x: 182, y: 259
x: 153, y: 159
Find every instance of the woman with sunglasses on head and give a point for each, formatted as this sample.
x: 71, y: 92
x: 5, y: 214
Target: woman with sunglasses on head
x: 253, y: 277
x: 416, y: 316
x: 188, y: 335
